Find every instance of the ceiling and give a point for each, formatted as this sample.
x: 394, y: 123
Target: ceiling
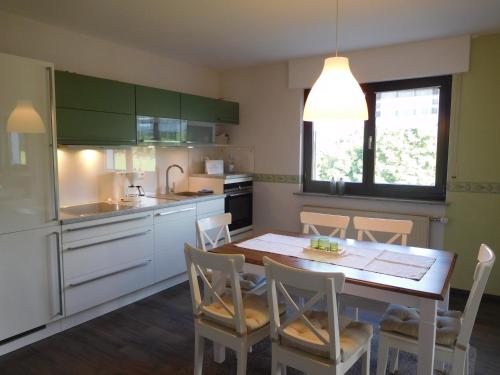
x: 224, y: 34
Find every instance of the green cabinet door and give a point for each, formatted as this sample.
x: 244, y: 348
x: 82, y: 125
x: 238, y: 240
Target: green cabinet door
x: 154, y: 102
x: 90, y: 93
x: 228, y: 112
x: 198, y: 108
x: 81, y: 127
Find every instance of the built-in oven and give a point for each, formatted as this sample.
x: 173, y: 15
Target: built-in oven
x: 239, y: 202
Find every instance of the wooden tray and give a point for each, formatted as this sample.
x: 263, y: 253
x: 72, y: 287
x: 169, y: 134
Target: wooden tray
x: 339, y: 253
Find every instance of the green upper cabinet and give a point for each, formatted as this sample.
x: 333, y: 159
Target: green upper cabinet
x: 200, y: 108
x: 154, y: 102
x: 228, y: 112
x: 94, y: 94
x: 94, y: 111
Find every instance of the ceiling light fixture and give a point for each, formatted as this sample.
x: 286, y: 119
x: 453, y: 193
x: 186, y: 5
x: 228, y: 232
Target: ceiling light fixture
x: 336, y: 95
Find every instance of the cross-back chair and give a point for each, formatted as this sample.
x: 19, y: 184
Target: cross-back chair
x: 399, y: 325
x: 222, y: 314
x: 338, y: 223
x: 211, y: 232
x: 315, y: 342
x: 367, y: 225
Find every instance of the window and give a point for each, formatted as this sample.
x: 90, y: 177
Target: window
x: 401, y: 151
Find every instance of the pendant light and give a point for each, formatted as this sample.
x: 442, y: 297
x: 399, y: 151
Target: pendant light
x: 25, y: 119
x: 336, y: 95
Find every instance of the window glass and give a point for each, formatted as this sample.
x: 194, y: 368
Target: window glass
x: 406, y: 126
x: 144, y: 159
x: 338, y: 151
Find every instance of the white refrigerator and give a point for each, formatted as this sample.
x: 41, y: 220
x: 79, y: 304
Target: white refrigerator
x: 30, y: 259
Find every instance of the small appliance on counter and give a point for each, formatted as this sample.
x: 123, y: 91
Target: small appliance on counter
x: 214, y: 166
x: 132, y: 190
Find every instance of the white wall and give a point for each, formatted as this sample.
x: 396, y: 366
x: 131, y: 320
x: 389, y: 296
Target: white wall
x: 85, y: 54
x: 270, y: 120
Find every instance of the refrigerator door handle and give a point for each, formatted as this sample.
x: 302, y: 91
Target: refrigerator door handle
x: 59, y: 311
x: 53, y: 142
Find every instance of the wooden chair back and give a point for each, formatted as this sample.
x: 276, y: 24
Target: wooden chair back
x: 367, y: 225
x: 486, y: 260
x: 310, y: 220
x: 218, y: 224
x: 229, y: 267
x: 279, y: 277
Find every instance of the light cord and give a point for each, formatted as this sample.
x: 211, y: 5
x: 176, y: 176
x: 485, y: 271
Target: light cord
x: 337, y: 30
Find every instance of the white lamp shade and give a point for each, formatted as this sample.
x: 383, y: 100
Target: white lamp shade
x: 336, y: 95
x: 25, y: 119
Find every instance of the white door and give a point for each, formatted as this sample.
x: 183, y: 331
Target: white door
x: 172, y: 228
x: 27, y: 173
x: 30, y: 282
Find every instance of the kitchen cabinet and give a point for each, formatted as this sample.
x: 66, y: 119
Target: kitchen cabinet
x: 79, y: 127
x: 155, y: 102
x: 30, y: 280
x: 173, y: 227
x: 94, y: 111
x: 106, y: 259
x: 200, y: 108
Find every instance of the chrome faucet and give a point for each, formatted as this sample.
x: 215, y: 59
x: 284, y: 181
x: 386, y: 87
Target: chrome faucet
x: 167, y: 187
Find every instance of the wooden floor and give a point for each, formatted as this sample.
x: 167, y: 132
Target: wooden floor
x: 155, y: 336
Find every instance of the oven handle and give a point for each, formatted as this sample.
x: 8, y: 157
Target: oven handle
x: 230, y: 195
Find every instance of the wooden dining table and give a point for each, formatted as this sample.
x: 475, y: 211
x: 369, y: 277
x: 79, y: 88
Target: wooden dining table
x: 427, y: 294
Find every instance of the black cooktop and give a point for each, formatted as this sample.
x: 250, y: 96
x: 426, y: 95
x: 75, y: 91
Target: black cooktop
x: 94, y: 208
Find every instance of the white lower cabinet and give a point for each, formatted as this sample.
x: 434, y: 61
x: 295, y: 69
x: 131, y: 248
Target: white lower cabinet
x: 172, y: 228
x: 30, y: 280
x: 207, y: 209
x: 100, y: 268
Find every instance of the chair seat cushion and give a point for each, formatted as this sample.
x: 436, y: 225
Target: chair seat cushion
x: 255, y: 310
x: 248, y: 281
x: 405, y: 320
x: 352, y: 336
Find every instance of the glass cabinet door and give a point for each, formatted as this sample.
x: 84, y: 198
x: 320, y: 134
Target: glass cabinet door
x: 158, y: 130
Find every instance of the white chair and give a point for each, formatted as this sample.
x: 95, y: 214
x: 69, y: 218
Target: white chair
x: 315, y: 342
x: 214, y: 230
x: 400, y: 229
x: 222, y: 314
x: 399, y: 326
x: 367, y: 225
x: 310, y: 220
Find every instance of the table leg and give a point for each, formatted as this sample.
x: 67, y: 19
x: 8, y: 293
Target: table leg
x: 426, y: 336
x: 219, y: 349
x: 445, y: 304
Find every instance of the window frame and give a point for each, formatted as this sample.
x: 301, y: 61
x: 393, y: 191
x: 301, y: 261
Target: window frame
x: 368, y: 187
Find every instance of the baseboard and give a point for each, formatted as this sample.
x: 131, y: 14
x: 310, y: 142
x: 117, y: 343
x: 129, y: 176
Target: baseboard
x: 84, y: 316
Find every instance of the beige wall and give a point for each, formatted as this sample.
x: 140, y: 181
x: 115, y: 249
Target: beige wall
x: 85, y: 54
x: 270, y: 120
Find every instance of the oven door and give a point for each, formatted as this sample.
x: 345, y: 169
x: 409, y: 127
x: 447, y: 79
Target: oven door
x: 239, y: 204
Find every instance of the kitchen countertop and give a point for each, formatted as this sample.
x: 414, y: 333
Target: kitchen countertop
x: 225, y: 176
x: 145, y: 204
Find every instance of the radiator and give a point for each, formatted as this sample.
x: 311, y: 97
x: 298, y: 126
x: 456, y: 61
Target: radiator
x: 419, y: 236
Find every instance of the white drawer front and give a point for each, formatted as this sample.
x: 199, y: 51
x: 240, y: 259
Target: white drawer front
x: 99, y: 253
x: 178, y: 212
x: 93, y: 290
x: 98, y: 227
x: 207, y: 207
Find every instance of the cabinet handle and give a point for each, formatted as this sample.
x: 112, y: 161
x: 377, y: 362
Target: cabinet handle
x: 59, y: 281
x: 53, y: 143
x: 175, y: 212
x: 107, y: 241
x: 86, y: 281
x: 103, y: 224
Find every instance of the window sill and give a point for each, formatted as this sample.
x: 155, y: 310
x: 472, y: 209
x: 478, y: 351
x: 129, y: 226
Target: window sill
x: 365, y: 197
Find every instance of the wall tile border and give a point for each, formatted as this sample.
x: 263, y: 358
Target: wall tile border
x: 473, y: 187
x: 277, y: 178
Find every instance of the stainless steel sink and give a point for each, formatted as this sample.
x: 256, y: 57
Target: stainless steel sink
x: 179, y: 196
